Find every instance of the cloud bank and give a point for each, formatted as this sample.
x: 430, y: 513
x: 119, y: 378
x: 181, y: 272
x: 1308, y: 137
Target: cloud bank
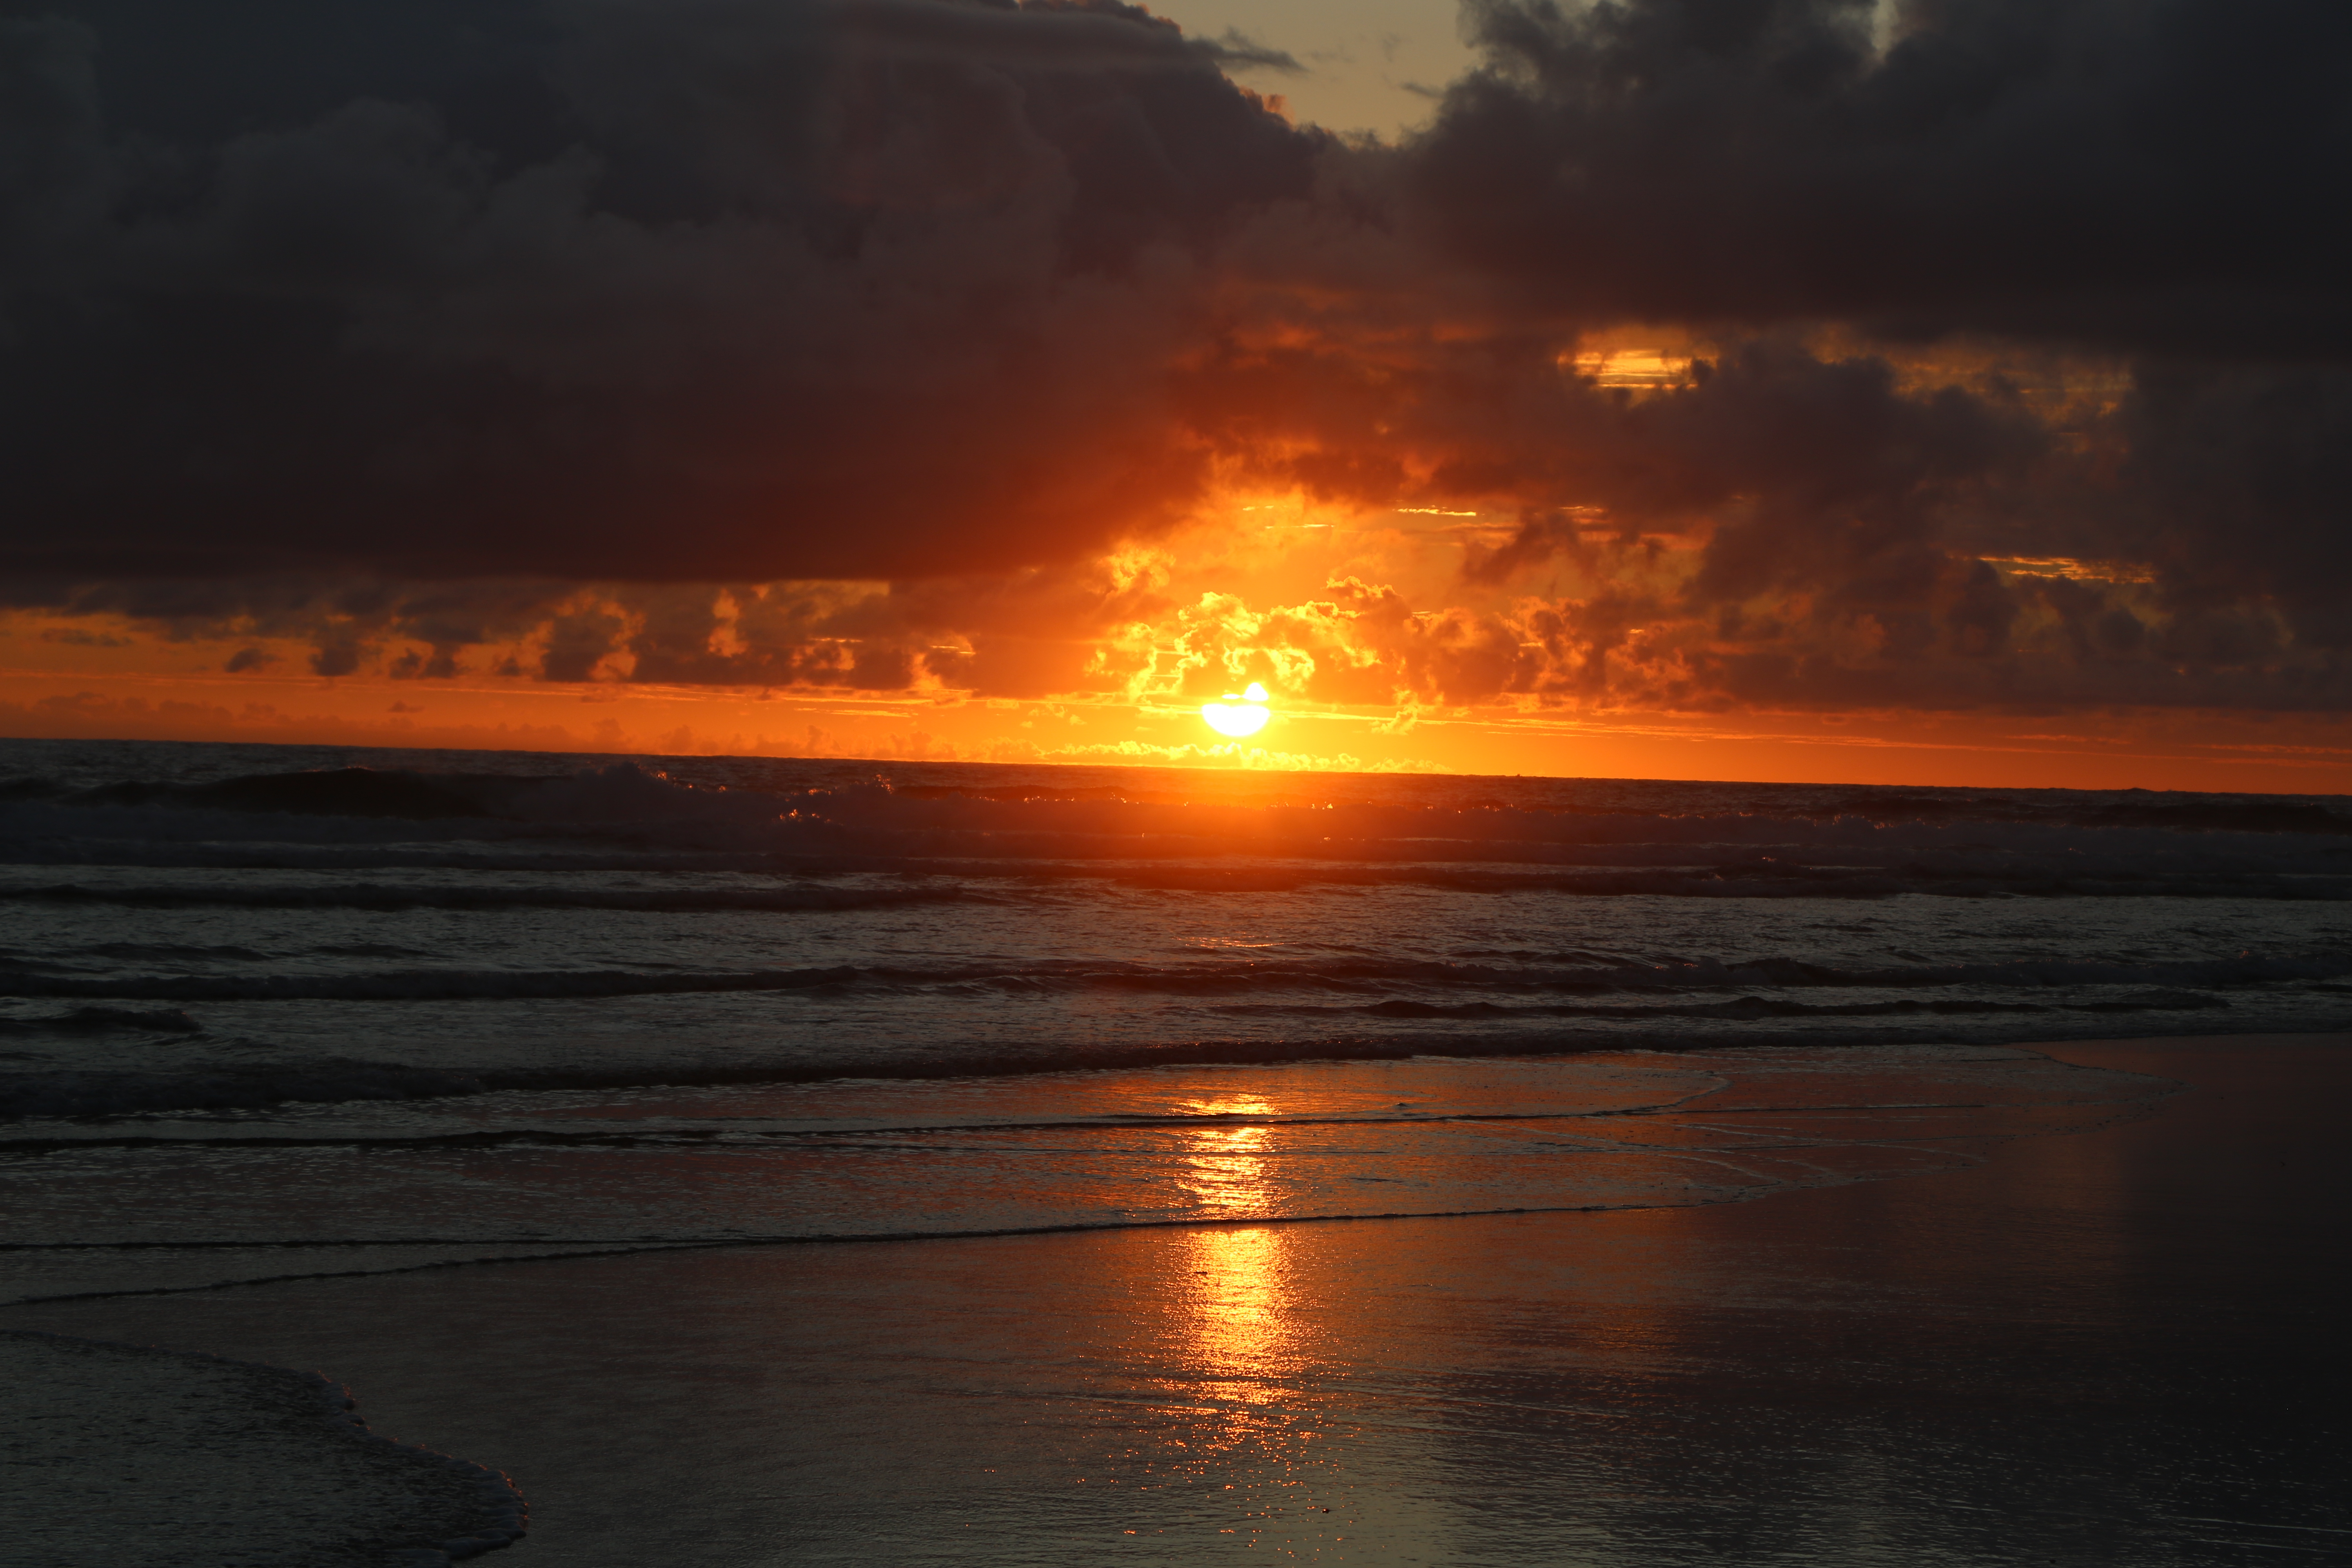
x: 2001, y: 349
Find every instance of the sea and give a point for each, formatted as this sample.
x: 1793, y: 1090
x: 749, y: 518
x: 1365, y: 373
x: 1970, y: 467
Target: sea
x: 272, y: 1011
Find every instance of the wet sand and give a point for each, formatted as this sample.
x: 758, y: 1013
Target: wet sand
x: 113, y: 1454
x: 2123, y: 1345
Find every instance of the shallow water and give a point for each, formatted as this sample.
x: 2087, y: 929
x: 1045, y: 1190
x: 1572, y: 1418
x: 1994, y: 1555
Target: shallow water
x: 2112, y: 1344
x: 329, y: 1189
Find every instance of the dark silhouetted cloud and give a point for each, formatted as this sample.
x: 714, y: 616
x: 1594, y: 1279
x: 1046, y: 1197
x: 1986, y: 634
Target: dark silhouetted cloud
x: 687, y: 289
x: 2144, y: 175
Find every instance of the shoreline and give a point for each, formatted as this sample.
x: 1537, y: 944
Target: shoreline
x: 1589, y: 1131
x: 81, y: 1095
x: 1290, y: 1348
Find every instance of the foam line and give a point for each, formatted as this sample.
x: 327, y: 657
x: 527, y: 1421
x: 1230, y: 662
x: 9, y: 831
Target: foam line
x: 80, y: 1094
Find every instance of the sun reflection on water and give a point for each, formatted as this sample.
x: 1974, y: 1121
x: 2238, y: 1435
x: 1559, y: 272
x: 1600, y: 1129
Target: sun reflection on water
x: 1237, y: 1314
x: 1239, y: 1317
x: 1224, y: 1168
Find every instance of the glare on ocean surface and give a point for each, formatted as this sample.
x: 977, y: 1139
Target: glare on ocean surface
x: 1225, y: 1165
x: 1244, y: 715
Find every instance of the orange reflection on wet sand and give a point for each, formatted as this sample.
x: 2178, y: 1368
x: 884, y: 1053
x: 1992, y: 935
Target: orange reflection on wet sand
x: 2061, y: 1354
x: 1237, y: 1313
x: 1240, y: 1347
x: 1245, y: 1366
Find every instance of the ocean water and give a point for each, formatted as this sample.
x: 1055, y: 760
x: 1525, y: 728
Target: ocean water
x: 274, y: 1011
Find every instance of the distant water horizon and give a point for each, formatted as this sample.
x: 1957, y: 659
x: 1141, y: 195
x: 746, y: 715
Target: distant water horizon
x: 261, y: 997
x: 207, y: 927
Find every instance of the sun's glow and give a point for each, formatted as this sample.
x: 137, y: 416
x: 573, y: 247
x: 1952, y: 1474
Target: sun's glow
x: 1239, y: 714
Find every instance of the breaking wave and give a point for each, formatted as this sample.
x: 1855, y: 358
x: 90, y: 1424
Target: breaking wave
x: 1215, y: 979
x: 220, y: 1087
x: 390, y: 898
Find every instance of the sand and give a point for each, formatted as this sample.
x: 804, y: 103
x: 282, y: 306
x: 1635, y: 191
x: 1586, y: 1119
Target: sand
x: 2122, y: 1345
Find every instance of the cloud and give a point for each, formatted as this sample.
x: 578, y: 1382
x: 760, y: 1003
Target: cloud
x: 2135, y: 177
x: 700, y: 289
x: 2242, y: 483
x: 1088, y: 37
x: 934, y: 345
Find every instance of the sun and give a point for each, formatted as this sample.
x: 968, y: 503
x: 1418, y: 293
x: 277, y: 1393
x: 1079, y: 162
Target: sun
x: 1238, y: 716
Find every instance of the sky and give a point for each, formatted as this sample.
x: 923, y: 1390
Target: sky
x: 1928, y: 392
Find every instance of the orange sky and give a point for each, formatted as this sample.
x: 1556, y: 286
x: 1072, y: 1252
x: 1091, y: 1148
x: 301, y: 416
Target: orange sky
x: 1426, y: 637
x: 1131, y: 692
x: 1004, y: 383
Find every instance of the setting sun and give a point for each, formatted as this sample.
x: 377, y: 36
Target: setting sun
x: 1237, y: 715
x: 603, y: 605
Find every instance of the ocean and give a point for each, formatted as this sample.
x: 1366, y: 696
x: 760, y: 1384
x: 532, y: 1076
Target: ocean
x: 262, y: 995
x: 565, y: 1098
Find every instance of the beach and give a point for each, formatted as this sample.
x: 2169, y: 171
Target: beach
x: 1020, y: 782
x: 759, y: 1159
x: 2101, y: 1344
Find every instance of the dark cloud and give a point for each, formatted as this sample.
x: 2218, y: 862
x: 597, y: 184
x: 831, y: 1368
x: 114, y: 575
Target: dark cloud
x: 2243, y: 480
x: 1076, y: 37
x: 2133, y: 175
x: 604, y: 288
x: 784, y: 342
